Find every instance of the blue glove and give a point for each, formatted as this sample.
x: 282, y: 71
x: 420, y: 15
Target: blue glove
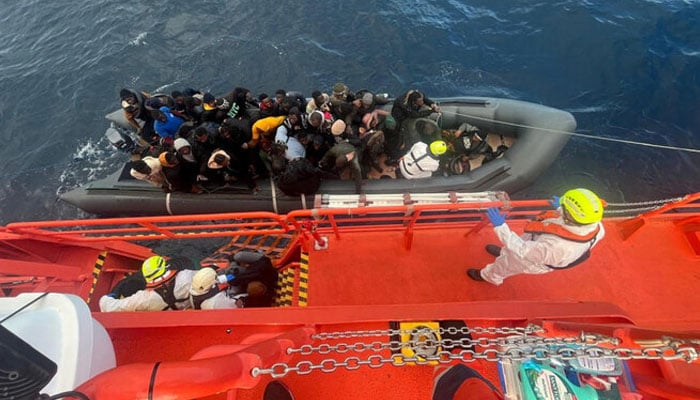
x: 554, y: 201
x: 497, y: 219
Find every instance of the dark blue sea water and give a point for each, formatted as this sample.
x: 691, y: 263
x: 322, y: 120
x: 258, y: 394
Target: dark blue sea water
x: 627, y: 70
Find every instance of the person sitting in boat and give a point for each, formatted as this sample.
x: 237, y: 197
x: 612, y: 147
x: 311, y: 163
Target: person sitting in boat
x: 288, y: 134
x: 319, y: 101
x: 341, y: 94
x: 232, y: 135
x: 179, y: 176
x: 410, y: 105
x: 372, y: 141
x: 189, y: 165
x: 268, y: 107
x: 295, y: 122
x: 469, y: 143
x: 349, y: 113
x: 319, y: 124
x: 204, y: 143
x: 133, y: 104
x: 241, y: 104
x: 280, y: 94
x: 557, y: 240
x: 167, y: 288
x: 262, y: 137
x: 422, y: 160
x: 193, y: 105
x: 209, y: 291
x: 252, y: 272
x: 293, y: 99
x: 148, y: 169
x: 222, y: 170
x: 341, y: 132
x: 341, y: 158
x: 167, y: 125
x: 214, y: 109
x: 316, y: 146
x: 179, y: 101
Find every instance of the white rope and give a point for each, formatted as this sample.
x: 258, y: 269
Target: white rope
x: 167, y: 203
x: 584, y: 135
x: 274, y: 196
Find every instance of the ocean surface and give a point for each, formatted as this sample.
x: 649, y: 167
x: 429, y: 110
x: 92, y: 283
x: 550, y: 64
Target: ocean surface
x: 626, y: 70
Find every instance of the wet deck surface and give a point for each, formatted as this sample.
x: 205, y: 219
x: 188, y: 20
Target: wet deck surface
x: 654, y: 277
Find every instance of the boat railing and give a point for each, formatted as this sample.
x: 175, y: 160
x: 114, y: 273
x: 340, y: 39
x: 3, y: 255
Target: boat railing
x: 311, y: 223
x: 317, y: 222
x: 155, y: 228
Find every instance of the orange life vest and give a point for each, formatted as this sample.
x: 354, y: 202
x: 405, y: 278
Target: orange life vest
x: 539, y: 227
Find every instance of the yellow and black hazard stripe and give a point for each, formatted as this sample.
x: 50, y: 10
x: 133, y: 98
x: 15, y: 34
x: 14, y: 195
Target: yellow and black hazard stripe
x: 96, y: 271
x: 304, y: 280
x: 285, y: 287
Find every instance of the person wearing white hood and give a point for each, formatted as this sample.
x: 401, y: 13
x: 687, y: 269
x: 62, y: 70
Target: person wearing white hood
x: 189, y: 165
x: 184, y: 150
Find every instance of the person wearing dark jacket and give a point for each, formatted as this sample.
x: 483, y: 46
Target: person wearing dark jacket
x: 410, y: 105
x: 252, y: 272
x: 134, y: 105
x: 341, y: 157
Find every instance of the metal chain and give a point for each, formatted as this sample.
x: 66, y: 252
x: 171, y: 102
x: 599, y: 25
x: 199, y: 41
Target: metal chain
x: 646, y: 203
x: 630, y: 210
x: 540, y: 353
x: 465, y: 342
x: 519, y: 347
x: 641, y: 206
x: 443, y: 331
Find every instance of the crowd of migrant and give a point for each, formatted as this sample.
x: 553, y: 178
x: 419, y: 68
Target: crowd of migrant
x: 192, y: 141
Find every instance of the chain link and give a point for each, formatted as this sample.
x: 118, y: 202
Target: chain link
x: 518, y: 346
x: 443, y: 331
x: 646, y: 203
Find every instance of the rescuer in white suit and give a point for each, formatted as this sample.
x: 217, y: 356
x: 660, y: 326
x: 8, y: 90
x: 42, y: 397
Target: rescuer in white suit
x: 556, y: 240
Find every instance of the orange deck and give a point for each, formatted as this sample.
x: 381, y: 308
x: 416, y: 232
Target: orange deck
x: 654, y: 278
x: 367, y: 277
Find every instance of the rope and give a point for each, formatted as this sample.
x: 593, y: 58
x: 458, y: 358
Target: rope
x: 646, y: 203
x: 583, y: 135
x: 23, y: 307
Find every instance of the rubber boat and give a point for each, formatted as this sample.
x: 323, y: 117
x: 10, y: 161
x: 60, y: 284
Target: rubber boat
x: 373, y: 302
x: 538, y: 133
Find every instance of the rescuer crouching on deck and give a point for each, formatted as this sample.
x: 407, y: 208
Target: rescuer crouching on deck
x: 167, y: 287
x: 556, y: 240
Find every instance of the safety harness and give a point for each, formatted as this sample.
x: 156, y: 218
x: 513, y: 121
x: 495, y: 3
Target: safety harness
x: 538, y: 227
x: 416, y: 160
x: 167, y: 292
x: 199, y: 299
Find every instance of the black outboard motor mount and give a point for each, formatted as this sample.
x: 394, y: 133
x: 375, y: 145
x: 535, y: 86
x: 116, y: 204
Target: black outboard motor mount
x: 119, y: 139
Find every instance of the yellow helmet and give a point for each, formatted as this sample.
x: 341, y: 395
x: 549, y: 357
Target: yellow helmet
x: 584, y: 206
x: 438, y: 147
x: 153, y: 268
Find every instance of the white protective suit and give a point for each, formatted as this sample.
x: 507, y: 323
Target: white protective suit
x: 149, y: 300
x: 527, y: 255
x: 418, y: 162
x: 222, y: 300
